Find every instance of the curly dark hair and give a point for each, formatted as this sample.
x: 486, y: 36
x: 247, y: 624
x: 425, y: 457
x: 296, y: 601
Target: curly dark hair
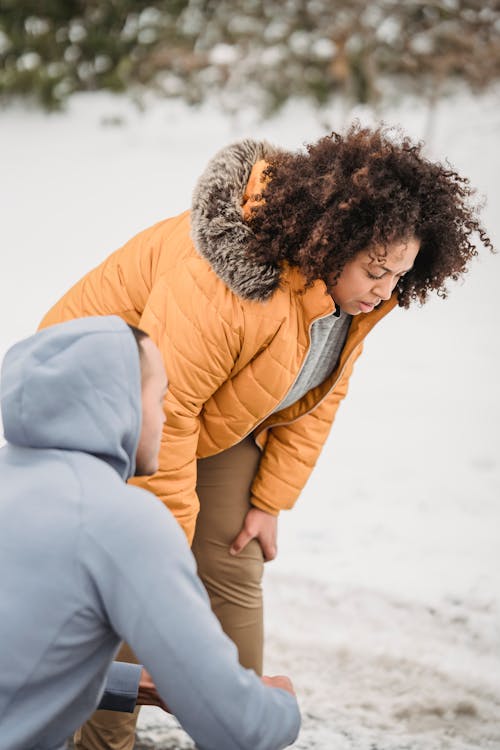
x: 365, y: 190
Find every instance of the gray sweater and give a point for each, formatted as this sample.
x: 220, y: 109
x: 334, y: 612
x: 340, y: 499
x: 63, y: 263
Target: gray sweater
x: 88, y: 561
x: 328, y: 335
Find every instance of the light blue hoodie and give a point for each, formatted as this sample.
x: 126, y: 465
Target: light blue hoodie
x: 87, y: 561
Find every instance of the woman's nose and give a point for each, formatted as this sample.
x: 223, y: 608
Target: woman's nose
x: 385, y: 286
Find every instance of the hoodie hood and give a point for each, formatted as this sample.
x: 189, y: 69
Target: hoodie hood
x: 76, y: 386
x: 219, y: 231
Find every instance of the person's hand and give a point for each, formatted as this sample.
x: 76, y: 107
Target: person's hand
x: 148, y: 694
x: 279, y: 681
x: 261, y: 526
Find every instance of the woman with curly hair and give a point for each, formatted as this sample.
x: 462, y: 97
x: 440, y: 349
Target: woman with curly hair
x: 259, y: 299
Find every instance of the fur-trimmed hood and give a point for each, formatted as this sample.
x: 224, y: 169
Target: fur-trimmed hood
x: 218, y: 229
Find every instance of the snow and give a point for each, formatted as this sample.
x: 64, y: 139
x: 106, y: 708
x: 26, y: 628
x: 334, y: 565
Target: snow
x: 383, y: 602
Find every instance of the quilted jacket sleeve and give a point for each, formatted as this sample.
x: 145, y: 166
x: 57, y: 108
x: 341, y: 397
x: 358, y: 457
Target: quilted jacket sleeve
x: 292, y: 449
x: 199, y: 335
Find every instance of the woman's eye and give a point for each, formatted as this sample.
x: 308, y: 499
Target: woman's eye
x: 371, y: 276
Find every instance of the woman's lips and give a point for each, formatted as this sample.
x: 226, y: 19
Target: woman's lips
x: 365, y: 308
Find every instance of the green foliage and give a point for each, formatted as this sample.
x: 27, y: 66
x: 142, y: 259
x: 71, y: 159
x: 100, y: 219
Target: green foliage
x: 53, y: 48
x: 246, y: 52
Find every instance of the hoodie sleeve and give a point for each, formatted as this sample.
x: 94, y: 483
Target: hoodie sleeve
x: 147, y: 582
x: 122, y: 687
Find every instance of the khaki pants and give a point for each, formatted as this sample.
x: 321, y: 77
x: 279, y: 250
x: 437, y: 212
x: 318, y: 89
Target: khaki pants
x: 233, y: 583
x: 113, y: 729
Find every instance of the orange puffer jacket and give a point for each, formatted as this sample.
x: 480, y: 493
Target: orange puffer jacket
x: 233, y: 336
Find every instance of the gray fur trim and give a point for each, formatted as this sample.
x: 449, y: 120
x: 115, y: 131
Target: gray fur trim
x: 218, y: 230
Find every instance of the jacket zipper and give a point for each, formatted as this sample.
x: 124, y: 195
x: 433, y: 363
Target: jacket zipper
x: 291, y: 421
x: 320, y: 317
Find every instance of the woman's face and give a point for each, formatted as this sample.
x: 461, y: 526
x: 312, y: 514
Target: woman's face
x: 371, y: 276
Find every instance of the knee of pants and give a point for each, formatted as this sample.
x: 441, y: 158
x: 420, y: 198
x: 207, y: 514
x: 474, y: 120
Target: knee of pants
x: 234, y: 578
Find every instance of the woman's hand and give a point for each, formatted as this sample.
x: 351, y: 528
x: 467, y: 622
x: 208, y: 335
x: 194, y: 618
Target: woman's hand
x: 261, y: 526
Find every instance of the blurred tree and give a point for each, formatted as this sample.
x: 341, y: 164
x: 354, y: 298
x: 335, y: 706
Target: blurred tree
x: 248, y: 52
x: 52, y: 48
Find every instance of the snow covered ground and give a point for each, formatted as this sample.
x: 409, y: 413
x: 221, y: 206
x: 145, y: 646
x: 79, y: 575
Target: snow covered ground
x: 383, y: 604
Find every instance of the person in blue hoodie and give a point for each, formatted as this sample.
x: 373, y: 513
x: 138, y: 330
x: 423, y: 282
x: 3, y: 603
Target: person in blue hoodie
x: 88, y: 561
